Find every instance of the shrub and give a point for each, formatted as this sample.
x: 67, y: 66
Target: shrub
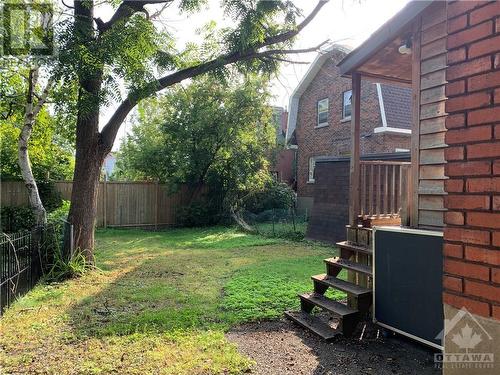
x: 16, y: 219
x: 198, y: 214
x: 49, y: 195
x: 60, y: 213
x: 275, y: 195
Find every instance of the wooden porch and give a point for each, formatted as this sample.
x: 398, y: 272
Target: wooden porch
x: 410, y: 50
x: 415, y: 57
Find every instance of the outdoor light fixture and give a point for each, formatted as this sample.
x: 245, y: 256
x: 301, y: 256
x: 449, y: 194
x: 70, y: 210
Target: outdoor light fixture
x: 405, y: 49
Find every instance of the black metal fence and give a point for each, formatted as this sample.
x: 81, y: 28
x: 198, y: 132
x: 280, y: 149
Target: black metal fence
x: 26, y: 256
x: 283, y: 223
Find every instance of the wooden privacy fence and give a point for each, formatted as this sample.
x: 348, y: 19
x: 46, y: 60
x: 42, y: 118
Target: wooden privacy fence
x: 119, y: 204
x: 384, y: 188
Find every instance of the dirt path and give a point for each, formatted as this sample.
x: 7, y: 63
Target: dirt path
x: 282, y: 348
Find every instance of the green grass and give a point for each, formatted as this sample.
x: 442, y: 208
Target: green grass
x: 282, y: 230
x: 160, y: 303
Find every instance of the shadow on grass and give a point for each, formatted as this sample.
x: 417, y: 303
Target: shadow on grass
x: 153, y: 297
x: 159, y: 287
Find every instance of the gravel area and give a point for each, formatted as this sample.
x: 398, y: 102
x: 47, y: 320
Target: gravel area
x: 280, y: 347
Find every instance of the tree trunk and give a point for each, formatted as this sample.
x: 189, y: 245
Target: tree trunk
x: 83, y: 211
x: 90, y: 149
x: 90, y: 154
x: 22, y: 150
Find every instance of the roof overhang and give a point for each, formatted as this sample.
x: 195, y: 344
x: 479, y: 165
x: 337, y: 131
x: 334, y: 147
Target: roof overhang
x: 392, y: 130
x: 387, y: 34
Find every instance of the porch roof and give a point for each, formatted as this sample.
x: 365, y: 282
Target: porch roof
x: 378, y: 57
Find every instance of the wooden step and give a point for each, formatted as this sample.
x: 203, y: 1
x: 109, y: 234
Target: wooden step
x: 349, y: 265
x: 359, y: 249
x: 313, y: 323
x: 339, y: 284
x: 328, y: 304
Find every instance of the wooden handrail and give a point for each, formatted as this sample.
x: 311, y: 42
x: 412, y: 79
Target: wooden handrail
x: 384, y: 162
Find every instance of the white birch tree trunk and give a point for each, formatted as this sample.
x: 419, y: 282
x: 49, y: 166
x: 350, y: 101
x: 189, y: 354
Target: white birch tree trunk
x: 31, y: 112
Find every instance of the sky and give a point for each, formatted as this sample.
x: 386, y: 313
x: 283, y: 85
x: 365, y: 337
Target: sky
x: 347, y: 22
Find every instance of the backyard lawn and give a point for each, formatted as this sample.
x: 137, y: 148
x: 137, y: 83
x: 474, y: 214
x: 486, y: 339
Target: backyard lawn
x: 160, y: 302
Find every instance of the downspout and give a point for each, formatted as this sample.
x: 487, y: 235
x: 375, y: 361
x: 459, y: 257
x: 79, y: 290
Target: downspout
x: 292, y: 117
x: 381, y: 105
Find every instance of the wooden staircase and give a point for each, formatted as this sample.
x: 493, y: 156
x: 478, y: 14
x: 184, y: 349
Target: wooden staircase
x: 355, y: 254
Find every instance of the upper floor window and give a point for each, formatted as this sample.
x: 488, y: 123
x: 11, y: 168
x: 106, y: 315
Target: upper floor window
x: 322, y: 112
x: 346, y: 104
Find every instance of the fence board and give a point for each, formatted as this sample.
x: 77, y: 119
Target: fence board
x: 119, y: 203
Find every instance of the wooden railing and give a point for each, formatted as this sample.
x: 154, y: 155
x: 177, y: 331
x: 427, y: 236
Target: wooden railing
x: 384, y: 188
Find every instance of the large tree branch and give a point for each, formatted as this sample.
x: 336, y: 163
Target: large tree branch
x: 294, y: 32
x: 126, y: 10
x: 110, y: 130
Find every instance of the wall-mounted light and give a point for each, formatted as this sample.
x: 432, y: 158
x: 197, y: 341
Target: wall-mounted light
x: 405, y: 48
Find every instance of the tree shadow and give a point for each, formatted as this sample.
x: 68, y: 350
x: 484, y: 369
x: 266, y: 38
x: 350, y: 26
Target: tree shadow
x: 154, y: 296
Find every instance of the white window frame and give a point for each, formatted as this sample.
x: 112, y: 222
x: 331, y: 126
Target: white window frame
x: 311, y: 168
x: 344, y: 117
x: 325, y: 123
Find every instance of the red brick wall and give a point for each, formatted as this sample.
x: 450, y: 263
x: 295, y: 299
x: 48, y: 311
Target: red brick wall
x: 472, y: 232
x: 334, y: 139
x: 284, y: 166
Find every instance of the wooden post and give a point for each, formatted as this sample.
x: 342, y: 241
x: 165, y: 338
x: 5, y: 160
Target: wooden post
x: 415, y: 129
x: 354, y: 175
x: 355, y: 149
x: 404, y: 184
x: 105, y: 203
x: 157, y: 188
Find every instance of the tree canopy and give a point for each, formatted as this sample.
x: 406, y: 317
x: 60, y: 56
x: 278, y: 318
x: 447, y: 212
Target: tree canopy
x: 208, y: 132
x: 132, y: 55
x: 51, y: 144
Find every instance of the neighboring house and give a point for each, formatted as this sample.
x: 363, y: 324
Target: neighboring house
x: 280, y: 120
x: 109, y: 165
x: 320, y: 119
x: 283, y: 167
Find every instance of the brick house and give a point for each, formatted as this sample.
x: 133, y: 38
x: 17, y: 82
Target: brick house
x: 320, y: 114
x: 283, y: 166
x: 448, y: 52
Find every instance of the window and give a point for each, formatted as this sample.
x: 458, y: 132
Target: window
x: 312, y: 165
x: 346, y: 104
x: 323, y: 112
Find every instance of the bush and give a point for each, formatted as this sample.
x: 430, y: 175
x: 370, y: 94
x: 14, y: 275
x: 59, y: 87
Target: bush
x: 198, y: 214
x: 49, y: 195
x: 16, y: 219
x: 60, y: 213
x: 275, y: 195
